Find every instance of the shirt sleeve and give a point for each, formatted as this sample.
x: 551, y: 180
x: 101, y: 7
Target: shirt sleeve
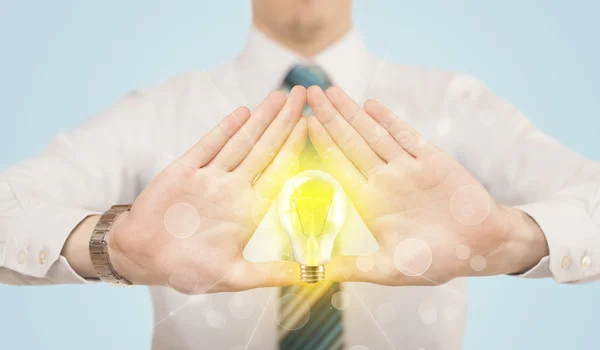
x: 522, y: 167
x: 80, y: 173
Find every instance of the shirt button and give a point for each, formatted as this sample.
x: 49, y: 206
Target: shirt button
x: 21, y: 256
x: 586, y: 262
x: 566, y: 262
x: 43, y: 257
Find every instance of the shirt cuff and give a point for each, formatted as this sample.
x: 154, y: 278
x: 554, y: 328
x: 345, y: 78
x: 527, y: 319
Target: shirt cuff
x: 573, y: 241
x: 37, y: 252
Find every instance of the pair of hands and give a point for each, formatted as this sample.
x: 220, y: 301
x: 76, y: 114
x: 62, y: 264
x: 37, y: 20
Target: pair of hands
x: 432, y: 219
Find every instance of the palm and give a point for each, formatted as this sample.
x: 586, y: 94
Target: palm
x: 419, y: 203
x: 213, y: 203
x: 193, y: 221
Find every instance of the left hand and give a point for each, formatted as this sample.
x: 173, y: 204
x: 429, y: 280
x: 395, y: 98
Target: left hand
x: 432, y: 219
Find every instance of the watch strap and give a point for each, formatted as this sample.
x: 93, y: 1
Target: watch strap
x: 99, y: 247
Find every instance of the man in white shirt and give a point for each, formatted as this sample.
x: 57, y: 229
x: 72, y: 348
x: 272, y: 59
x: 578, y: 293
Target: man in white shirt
x: 201, y: 222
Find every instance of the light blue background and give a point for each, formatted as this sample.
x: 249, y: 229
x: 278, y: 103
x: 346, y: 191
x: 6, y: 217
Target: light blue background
x: 62, y: 61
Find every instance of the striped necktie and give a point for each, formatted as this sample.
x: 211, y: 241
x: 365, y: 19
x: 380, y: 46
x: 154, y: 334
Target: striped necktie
x: 307, y: 319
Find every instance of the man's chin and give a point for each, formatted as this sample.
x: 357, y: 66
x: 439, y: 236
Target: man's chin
x: 303, y: 30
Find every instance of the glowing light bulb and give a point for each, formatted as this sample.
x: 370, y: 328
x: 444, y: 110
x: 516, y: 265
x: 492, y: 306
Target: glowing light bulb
x: 312, y: 210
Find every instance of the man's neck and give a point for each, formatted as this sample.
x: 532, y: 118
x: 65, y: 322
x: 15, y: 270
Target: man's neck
x: 309, y: 47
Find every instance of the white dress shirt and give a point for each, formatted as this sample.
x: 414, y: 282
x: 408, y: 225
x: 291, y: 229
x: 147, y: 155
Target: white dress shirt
x: 117, y: 153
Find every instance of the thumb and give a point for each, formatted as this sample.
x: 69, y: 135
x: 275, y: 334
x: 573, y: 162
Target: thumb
x: 347, y: 268
x: 265, y: 274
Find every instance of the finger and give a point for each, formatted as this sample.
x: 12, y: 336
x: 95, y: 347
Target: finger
x: 285, y: 164
x: 242, y: 142
x: 346, y: 269
x: 265, y: 274
x: 334, y: 160
x: 205, y: 150
x: 376, y: 136
x: 376, y: 268
x: 406, y: 136
x: 348, y: 140
x: 274, y: 137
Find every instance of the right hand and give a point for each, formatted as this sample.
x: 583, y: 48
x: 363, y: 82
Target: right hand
x: 188, y: 228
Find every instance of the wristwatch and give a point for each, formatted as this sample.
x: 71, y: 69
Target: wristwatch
x: 99, y: 247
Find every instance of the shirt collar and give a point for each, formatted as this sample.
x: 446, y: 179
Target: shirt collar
x: 264, y: 63
x: 345, y: 63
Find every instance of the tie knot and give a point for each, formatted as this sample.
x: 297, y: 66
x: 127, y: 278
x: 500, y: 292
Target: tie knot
x: 307, y: 76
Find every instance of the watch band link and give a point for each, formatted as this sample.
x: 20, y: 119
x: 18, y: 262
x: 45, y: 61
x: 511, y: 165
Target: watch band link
x: 99, y: 247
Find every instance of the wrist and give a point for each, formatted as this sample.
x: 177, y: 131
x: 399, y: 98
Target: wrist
x: 76, y: 248
x: 525, y: 242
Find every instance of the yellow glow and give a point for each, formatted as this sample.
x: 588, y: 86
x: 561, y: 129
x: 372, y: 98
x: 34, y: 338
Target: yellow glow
x: 312, y: 210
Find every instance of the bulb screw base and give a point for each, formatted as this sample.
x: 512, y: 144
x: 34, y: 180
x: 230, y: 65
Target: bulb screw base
x: 312, y: 274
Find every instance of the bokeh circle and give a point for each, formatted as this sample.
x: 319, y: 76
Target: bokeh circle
x: 182, y: 220
x: 291, y: 303
x: 413, y: 257
x: 470, y: 205
x: 340, y: 300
